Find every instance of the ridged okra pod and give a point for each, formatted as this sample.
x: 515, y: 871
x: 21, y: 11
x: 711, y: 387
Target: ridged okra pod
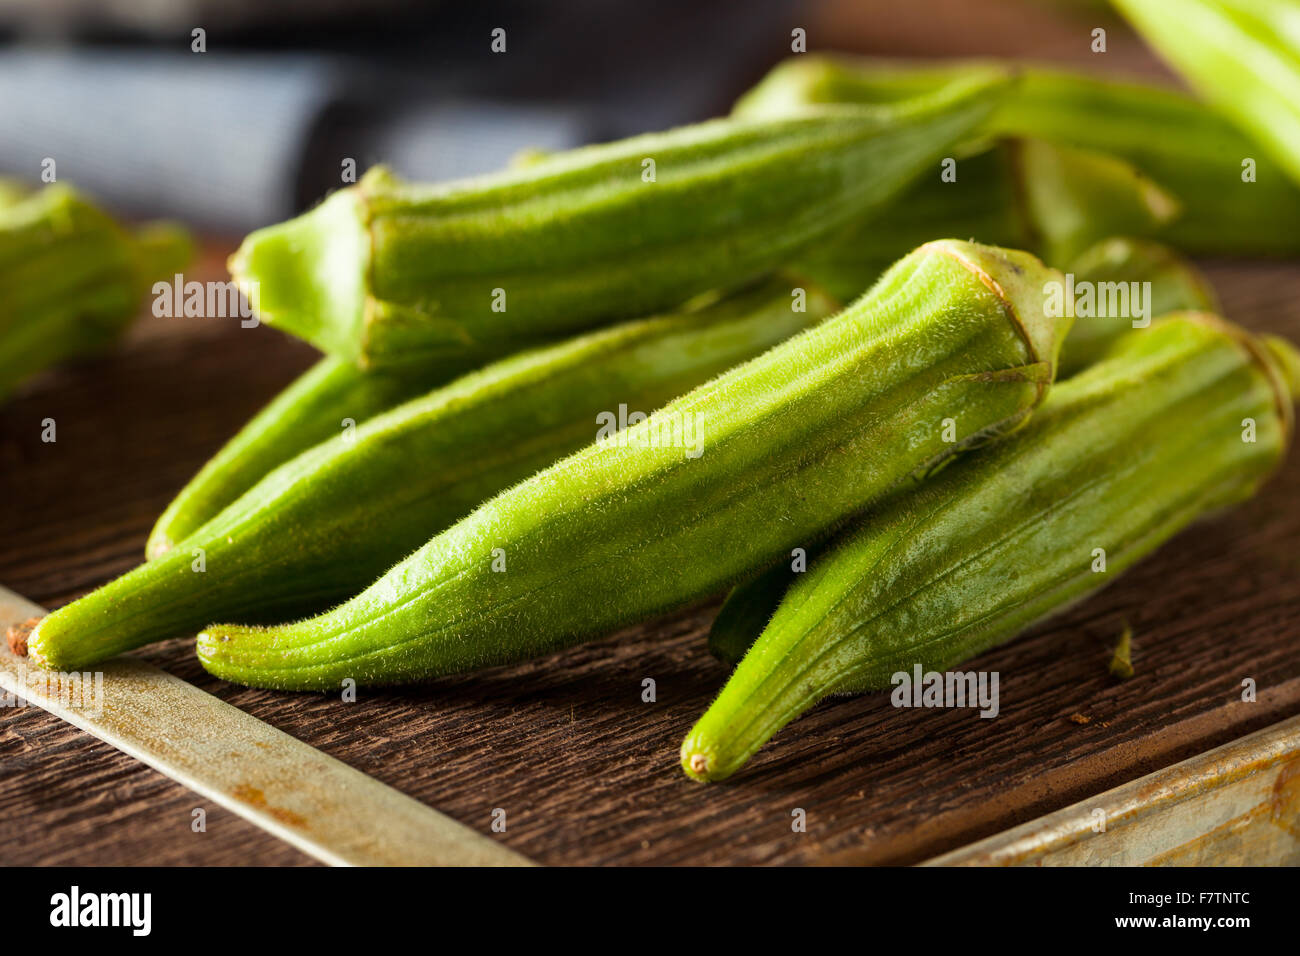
x: 320, y: 404
x: 1165, y: 281
x: 1243, y: 56
x: 1185, y: 146
x: 949, y: 349
x: 1055, y: 201
x: 1181, y: 419
x: 1120, y: 272
x: 71, y: 278
x: 387, y: 272
x: 321, y: 527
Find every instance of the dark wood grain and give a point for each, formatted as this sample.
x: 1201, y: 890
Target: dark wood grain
x: 586, y: 771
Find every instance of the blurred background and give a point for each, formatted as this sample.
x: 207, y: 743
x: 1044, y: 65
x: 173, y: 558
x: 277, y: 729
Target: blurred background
x: 250, y: 119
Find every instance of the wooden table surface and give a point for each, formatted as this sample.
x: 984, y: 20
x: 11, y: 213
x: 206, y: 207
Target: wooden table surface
x: 587, y: 772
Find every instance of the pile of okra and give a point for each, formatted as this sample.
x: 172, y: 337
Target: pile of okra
x: 900, y: 357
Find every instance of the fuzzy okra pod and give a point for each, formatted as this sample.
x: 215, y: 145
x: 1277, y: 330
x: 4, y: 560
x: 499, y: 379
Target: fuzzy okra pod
x: 1183, y: 145
x: 387, y: 272
x: 320, y: 404
x: 1181, y: 419
x: 1164, y: 281
x: 71, y: 278
x: 327, y: 523
x: 949, y: 349
x: 1241, y: 55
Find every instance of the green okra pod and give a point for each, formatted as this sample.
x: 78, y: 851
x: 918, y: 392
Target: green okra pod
x: 1167, y: 283
x: 71, y: 278
x: 321, y: 527
x: 1243, y: 56
x: 1124, y: 271
x: 950, y: 348
x: 387, y: 272
x: 1054, y: 201
x: 1183, y: 418
x: 320, y: 404
x: 1183, y: 145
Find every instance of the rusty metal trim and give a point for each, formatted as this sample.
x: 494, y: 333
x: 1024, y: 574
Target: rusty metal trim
x: 1238, y: 804
x: 320, y: 805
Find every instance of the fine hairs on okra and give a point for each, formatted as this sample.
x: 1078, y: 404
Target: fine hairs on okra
x: 1185, y: 146
x: 1170, y: 283
x: 319, y: 528
x: 386, y: 272
x: 949, y: 349
x: 71, y: 278
x: 320, y: 404
x: 1181, y: 419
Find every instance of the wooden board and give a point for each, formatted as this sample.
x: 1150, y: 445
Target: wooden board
x: 585, y: 770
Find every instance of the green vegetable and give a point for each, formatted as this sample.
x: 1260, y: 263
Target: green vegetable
x: 1243, y: 57
x: 324, y: 525
x: 1053, y: 200
x: 386, y: 273
x: 949, y: 349
x: 1175, y: 285
x: 318, y: 405
x: 1183, y: 145
x: 71, y: 279
x: 1183, y: 418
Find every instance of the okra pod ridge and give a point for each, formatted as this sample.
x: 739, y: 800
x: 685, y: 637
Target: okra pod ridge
x: 1117, y: 460
x: 814, y: 430
x: 387, y: 272
x: 323, y: 525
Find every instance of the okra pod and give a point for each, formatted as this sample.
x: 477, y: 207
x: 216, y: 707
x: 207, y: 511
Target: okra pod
x: 1054, y: 201
x: 1167, y: 283
x: 950, y: 348
x: 1243, y: 57
x: 1180, y: 419
x: 386, y: 272
x: 1123, y: 270
x: 322, y: 403
x: 71, y: 279
x: 321, y: 527
x: 1183, y: 145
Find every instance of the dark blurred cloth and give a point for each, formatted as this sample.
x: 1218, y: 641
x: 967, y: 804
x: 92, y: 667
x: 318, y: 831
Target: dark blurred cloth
x: 226, y: 142
x: 230, y: 141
